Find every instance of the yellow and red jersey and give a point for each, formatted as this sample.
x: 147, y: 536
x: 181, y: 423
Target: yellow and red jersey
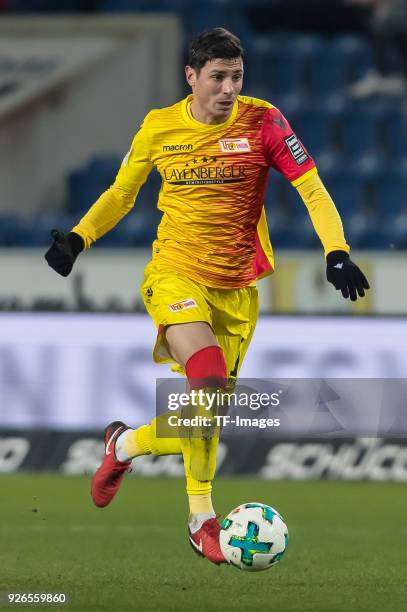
x: 214, y: 178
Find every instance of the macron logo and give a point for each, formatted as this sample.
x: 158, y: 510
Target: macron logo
x: 339, y: 266
x: 178, y: 147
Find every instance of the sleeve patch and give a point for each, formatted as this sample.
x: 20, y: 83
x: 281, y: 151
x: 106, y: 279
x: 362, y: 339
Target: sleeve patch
x: 296, y: 149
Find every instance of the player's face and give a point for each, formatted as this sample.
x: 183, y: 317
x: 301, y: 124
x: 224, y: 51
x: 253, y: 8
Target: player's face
x: 215, y: 89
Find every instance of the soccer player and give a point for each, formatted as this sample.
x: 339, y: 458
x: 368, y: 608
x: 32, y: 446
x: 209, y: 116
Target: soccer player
x: 213, y: 150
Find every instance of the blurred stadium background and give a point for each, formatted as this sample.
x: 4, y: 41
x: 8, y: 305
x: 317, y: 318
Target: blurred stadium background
x: 76, y: 78
x: 75, y: 353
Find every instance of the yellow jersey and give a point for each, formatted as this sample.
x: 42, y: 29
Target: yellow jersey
x: 214, y: 178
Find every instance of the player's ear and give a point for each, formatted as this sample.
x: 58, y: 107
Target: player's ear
x: 190, y: 75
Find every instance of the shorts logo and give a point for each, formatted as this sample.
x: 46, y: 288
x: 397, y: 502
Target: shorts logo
x: 183, y: 305
x: 149, y: 295
x: 296, y: 149
x: 235, y: 145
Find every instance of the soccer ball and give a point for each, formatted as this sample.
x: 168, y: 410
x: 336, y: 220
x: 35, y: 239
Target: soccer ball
x: 253, y: 537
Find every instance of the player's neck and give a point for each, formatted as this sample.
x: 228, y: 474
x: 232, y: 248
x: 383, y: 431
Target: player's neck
x: 203, y: 116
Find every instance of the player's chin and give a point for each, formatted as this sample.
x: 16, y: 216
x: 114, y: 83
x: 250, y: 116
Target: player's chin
x: 223, y: 110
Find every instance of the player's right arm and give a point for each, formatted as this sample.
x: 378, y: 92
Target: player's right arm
x: 108, y: 210
x: 287, y: 154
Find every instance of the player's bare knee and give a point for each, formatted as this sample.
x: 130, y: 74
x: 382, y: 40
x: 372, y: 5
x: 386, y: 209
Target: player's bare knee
x: 185, y: 339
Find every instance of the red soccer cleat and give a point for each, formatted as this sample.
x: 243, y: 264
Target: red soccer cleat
x: 108, y: 477
x: 205, y: 541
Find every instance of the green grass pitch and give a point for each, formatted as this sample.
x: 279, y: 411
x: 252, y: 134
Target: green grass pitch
x: 347, y: 550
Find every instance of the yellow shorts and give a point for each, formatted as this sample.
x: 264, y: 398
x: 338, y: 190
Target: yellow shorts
x: 172, y: 298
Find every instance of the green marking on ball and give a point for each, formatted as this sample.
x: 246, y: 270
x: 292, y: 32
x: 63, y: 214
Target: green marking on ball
x: 249, y: 544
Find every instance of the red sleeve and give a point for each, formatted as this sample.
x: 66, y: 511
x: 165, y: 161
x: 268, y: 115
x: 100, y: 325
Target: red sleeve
x: 283, y: 150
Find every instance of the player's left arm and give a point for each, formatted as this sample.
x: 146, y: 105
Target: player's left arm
x: 287, y: 154
x: 107, y: 211
x: 119, y: 198
x: 341, y: 271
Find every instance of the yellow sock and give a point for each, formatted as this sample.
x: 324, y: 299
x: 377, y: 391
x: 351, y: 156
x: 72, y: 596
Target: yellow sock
x: 144, y: 441
x: 197, y: 488
x: 200, y: 503
x: 199, y: 443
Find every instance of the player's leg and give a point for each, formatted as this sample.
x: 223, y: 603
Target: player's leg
x: 172, y: 300
x: 234, y: 316
x: 145, y: 440
x: 195, y: 348
x: 109, y: 475
x: 169, y: 298
x: 122, y: 444
x: 182, y: 341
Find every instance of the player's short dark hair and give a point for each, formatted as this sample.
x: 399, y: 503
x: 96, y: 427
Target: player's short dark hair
x: 216, y: 43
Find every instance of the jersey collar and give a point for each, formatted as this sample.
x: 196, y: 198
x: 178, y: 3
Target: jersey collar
x: 205, y: 127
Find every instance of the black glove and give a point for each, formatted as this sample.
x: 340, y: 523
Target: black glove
x: 345, y: 275
x: 64, y: 250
